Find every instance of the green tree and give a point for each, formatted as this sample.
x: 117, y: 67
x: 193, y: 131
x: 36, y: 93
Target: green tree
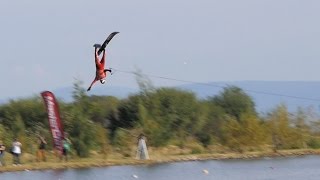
x: 210, y: 123
x: 82, y: 133
x: 246, y: 133
x: 167, y: 114
x: 126, y: 114
x: 78, y: 126
x: 123, y: 141
x: 5, y: 135
x: 301, y: 128
x: 234, y: 101
x: 283, y: 133
x: 101, y: 108
x: 31, y: 111
x: 102, y: 140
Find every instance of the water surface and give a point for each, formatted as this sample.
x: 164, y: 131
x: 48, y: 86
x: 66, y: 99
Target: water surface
x: 292, y: 168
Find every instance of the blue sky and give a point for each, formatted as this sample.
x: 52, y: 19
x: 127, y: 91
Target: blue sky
x: 47, y: 44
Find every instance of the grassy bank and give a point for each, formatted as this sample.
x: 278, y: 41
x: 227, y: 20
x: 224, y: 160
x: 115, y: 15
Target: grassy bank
x: 96, y: 160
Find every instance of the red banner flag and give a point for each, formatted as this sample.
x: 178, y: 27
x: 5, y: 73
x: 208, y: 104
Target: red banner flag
x: 54, y: 118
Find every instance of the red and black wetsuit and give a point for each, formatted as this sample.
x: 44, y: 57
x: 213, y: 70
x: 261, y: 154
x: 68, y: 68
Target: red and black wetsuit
x: 100, y: 71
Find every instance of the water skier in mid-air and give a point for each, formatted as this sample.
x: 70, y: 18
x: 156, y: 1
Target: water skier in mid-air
x: 101, y: 73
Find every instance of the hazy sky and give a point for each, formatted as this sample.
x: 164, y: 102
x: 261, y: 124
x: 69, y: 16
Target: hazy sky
x: 45, y: 45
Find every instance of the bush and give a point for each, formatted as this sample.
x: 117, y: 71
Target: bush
x: 195, y: 147
x: 123, y: 142
x: 314, y: 143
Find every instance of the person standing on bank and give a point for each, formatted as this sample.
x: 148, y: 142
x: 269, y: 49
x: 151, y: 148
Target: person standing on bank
x: 142, y: 152
x: 66, y: 148
x: 41, y: 154
x: 16, y: 152
x: 2, y: 150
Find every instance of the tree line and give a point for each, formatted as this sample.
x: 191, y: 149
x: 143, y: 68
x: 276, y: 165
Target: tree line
x: 167, y: 116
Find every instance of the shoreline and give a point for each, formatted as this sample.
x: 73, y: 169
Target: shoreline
x: 91, y: 163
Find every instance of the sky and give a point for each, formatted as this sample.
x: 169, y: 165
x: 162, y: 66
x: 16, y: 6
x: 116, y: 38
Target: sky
x: 46, y: 45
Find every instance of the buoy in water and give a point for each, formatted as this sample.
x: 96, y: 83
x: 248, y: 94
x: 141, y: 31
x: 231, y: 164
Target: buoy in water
x: 205, y: 171
x: 135, y: 176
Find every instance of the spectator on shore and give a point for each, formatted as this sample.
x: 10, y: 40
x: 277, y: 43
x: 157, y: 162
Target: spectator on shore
x: 16, y: 152
x: 41, y: 154
x: 2, y: 150
x: 66, y: 147
x: 142, y: 152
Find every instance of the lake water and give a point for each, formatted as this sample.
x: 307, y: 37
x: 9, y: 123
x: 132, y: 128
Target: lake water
x: 293, y: 168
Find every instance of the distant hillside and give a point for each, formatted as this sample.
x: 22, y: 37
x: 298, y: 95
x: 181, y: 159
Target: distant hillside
x: 267, y: 94
x: 65, y: 94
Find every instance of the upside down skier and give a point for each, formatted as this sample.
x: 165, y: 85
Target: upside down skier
x: 101, y: 73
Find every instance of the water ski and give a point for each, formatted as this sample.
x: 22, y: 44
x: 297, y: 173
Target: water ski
x: 105, y: 43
